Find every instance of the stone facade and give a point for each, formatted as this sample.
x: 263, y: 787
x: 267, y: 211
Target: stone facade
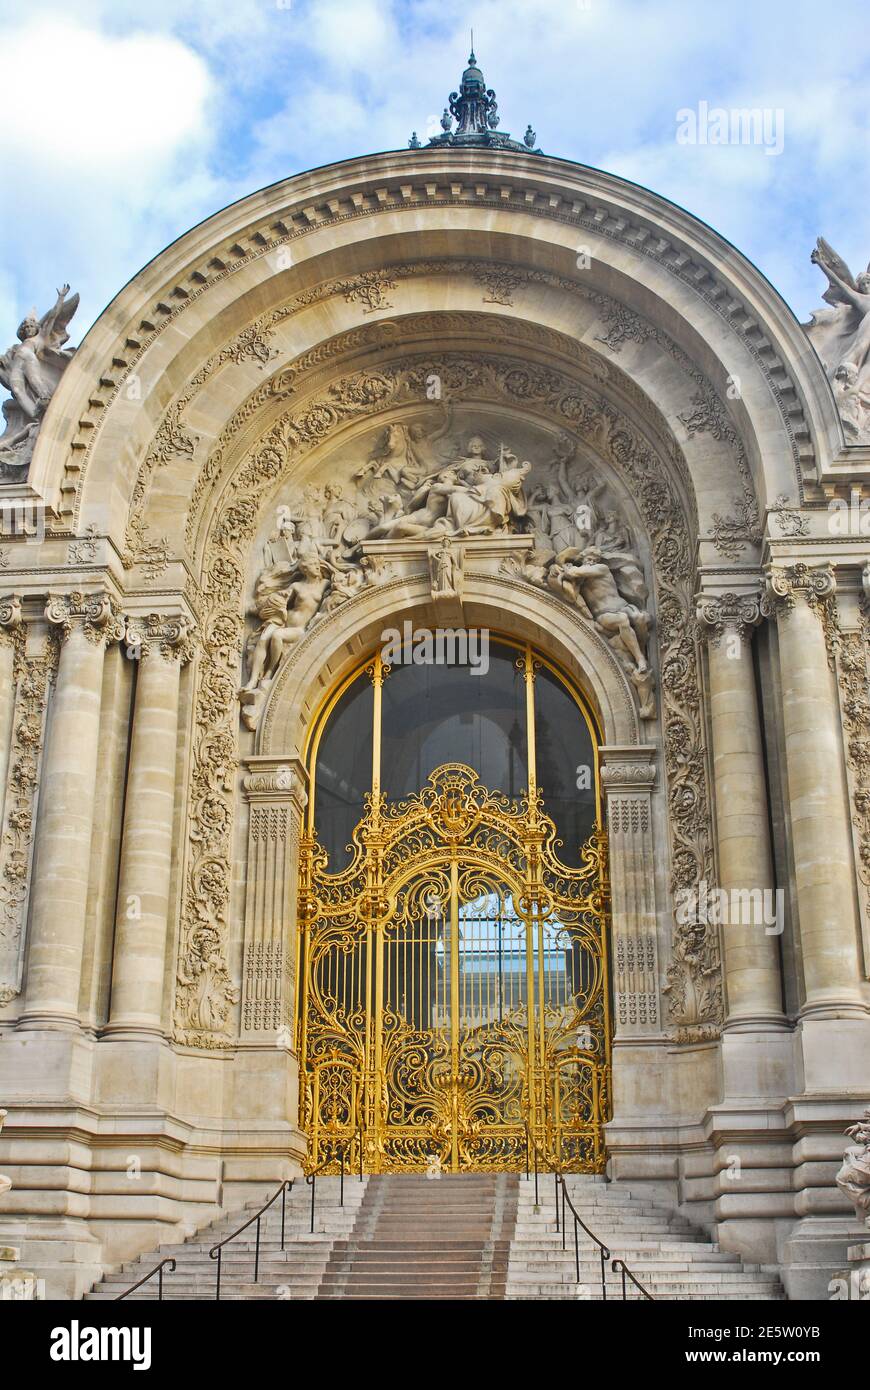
x: 146, y: 1044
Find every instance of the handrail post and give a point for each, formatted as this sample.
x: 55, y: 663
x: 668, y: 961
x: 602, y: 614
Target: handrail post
x: 556, y: 1191
x: 218, y: 1289
x: 563, y: 1211
x: 527, y: 1154
x: 313, y: 1181
x: 360, y: 1154
x: 603, y: 1278
x: 257, y: 1254
x: 537, y: 1198
x: 576, y: 1250
x: 623, y: 1283
x: 341, y: 1176
x: 283, y: 1209
x: 160, y: 1284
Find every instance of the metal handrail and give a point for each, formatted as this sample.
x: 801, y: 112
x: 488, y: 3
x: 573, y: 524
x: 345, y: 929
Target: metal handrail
x: 604, y: 1252
x: 216, y: 1251
x: 620, y: 1265
x: 158, y: 1270
x: 311, y: 1178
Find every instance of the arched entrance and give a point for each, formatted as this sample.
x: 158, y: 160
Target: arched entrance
x: 453, y: 984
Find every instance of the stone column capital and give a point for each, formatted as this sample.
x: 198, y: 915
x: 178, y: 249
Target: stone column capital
x: 167, y: 635
x: 720, y: 615
x: 626, y: 768
x: 276, y: 780
x: 785, y: 585
x: 94, y: 614
x: 11, y: 620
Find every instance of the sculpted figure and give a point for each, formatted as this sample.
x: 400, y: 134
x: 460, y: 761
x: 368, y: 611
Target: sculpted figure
x: 285, y: 614
x: 31, y: 371
x: 853, y: 1178
x: 444, y: 569
x: 841, y: 335
x: 483, y: 500
x: 624, y: 621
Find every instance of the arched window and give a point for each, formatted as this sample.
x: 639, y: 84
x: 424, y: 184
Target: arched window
x: 513, y: 717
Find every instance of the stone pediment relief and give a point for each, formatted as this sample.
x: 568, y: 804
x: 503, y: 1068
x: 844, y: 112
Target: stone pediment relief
x: 442, y: 486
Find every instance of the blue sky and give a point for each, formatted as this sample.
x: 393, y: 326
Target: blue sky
x: 123, y: 124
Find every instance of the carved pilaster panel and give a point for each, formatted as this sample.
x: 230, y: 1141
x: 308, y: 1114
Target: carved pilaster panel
x: 277, y: 799
x: 33, y: 675
x: 627, y: 780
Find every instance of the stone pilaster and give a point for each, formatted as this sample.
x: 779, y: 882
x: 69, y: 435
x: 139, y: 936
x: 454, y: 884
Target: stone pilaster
x: 142, y: 927
x: 275, y: 790
x: 11, y: 634
x: 802, y: 600
x: 86, y: 622
x: 627, y: 777
x: 753, y: 986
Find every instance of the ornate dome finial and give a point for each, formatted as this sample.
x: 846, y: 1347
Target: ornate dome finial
x: 474, y: 109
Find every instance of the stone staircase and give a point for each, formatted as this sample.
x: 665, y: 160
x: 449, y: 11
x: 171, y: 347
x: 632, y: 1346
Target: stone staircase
x: 670, y: 1257
x: 421, y: 1238
x: 460, y: 1236
x: 294, y: 1272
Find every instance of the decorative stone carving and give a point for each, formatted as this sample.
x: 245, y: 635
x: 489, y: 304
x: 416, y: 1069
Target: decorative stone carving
x: 789, y: 518
x: 95, y: 613
x: 729, y: 613
x: 16, y: 848
x: 814, y: 585
x: 853, y: 1179
x: 627, y: 784
x: 841, y: 337
x: 31, y: 371
x: 853, y: 675
x: 483, y: 377
x: 445, y: 569
x: 171, y: 637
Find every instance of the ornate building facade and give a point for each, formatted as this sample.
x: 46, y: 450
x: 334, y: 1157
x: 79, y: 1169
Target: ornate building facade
x: 613, y: 883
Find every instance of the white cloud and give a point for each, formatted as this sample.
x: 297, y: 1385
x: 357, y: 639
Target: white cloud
x: 75, y: 97
x: 124, y: 124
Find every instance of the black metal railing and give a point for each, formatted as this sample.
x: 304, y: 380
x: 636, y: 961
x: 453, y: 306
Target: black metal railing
x: 619, y: 1266
x: 168, y: 1263
x: 216, y: 1252
x: 563, y: 1199
x: 340, y: 1153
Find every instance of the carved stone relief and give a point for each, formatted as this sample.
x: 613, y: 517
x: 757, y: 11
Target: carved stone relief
x: 574, y: 410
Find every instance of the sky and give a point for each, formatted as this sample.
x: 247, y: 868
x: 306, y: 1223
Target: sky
x: 123, y: 124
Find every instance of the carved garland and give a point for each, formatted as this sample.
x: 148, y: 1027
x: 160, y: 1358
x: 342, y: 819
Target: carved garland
x: 694, y: 972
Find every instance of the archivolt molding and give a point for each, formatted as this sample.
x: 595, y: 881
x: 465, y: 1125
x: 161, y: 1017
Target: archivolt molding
x: 532, y: 196
x: 357, y: 624
x: 555, y: 398
x: 705, y: 412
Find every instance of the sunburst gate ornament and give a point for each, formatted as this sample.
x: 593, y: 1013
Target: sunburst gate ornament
x: 474, y: 111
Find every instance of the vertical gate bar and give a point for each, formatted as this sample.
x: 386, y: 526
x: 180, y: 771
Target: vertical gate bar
x: 454, y: 1010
